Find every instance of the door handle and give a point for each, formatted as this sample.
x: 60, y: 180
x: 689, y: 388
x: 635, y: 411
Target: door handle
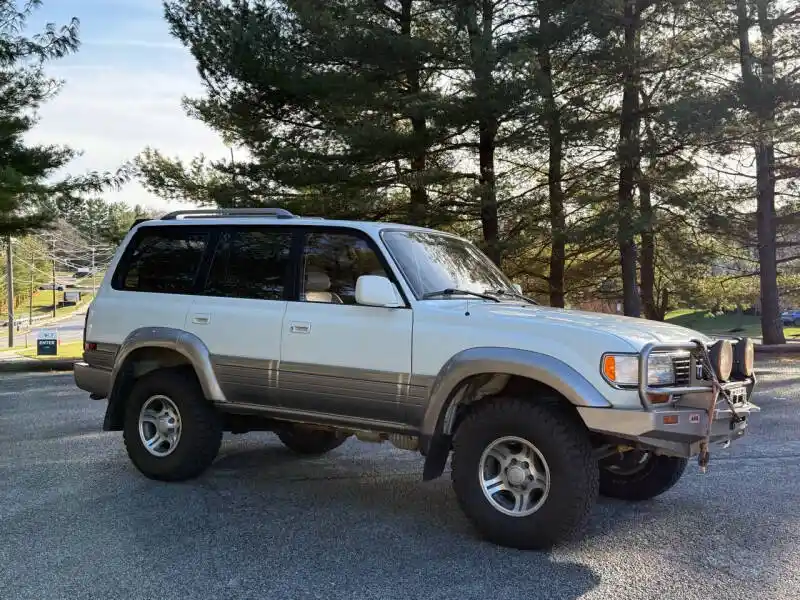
x: 201, y: 319
x: 296, y: 327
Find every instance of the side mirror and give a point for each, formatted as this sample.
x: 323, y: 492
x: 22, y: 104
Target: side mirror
x: 517, y: 287
x: 374, y: 290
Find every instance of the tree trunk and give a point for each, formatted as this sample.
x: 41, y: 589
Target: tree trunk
x: 629, y: 158
x: 487, y: 131
x: 648, y: 254
x: 771, y: 325
x: 760, y: 100
x: 664, y: 307
x: 481, y: 52
x: 647, y: 259
x: 418, y: 206
x: 558, y: 221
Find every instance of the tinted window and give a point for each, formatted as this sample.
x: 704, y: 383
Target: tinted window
x: 250, y: 263
x: 332, y: 262
x: 163, y: 262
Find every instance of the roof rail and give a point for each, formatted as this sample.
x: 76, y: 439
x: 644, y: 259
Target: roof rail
x: 210, y: 213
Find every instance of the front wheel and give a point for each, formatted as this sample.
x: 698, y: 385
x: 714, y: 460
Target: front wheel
x: 638, y: 475
x: 523, y: 473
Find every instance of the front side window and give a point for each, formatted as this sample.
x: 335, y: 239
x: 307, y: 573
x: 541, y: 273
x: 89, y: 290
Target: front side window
x: 250, y: 263
x: 433, y: 262
x: 332, y: 263
x: 163, y: 261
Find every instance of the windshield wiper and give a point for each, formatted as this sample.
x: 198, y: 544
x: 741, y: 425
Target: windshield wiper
x: 453, y: 291
x: 512, y: 294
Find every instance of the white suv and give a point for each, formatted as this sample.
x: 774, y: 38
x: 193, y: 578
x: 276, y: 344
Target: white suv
x: 254, y: 320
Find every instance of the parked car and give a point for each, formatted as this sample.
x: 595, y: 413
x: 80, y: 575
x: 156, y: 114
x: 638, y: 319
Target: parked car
x: 791, y: 317
x: 257, y: 320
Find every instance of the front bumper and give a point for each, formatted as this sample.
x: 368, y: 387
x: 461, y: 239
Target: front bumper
x: 94, y: 380
x: 679, y: 427
x: 676, y: 431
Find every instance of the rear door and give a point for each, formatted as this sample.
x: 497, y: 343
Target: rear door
x: 239, y: 311
x: 338, y: 357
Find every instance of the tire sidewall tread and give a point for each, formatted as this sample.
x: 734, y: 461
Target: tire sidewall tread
x: 201, y: 429
x: 659, y: 475
x: 310, y: 442
x: 564, y: 443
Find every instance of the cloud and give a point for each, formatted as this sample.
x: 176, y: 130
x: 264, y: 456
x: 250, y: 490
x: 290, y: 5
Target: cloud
x: 112, y: 113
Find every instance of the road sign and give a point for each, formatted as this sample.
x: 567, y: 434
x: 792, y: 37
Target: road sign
x: 47, y: 343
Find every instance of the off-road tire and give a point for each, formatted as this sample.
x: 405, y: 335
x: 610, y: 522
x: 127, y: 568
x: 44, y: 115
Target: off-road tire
x: 559, y: 435
x: 310, y: 442
x: 201, y: 429
x: 657, y: 475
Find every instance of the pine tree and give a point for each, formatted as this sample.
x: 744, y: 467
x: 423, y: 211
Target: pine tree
x: 27, y: 192
x: 333, y: 102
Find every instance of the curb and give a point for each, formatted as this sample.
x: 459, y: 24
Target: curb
x: 37, y: 366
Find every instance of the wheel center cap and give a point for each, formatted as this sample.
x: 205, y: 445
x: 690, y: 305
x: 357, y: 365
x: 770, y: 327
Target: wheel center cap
x: 516, y: 475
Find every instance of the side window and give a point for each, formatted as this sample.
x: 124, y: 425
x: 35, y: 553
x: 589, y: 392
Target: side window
x: 250, y: 263
x: 332, y: 263
x: 163, y: 261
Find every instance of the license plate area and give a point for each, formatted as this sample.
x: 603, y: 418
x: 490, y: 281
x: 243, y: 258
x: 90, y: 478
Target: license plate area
x: 738, y: 395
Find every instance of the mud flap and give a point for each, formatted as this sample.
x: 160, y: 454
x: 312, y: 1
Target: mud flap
x: 436, y: 457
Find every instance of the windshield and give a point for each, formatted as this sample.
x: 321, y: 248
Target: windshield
x: 432, y: 262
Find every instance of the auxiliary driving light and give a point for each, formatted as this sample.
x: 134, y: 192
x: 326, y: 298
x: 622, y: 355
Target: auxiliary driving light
x: 743, y: 357
x: 721, y: 354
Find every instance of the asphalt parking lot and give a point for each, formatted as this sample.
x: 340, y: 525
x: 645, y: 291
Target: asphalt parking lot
x: 77, y: 521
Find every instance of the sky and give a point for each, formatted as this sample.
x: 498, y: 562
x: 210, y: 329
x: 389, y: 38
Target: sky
x: 122, y: 91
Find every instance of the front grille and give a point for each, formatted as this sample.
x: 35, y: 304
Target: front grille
x: 683, y: 370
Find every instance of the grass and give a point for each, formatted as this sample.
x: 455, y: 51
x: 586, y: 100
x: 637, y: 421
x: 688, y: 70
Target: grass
x: 66, y: 350
x: 724, y: 324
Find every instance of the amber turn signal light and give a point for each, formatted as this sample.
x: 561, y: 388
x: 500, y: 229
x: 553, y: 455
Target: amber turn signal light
x: 610, y: 367
x: 658, y: 398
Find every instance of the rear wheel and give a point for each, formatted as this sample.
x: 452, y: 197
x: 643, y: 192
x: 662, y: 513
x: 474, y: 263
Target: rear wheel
x: 171, y: 432
x: 639, y: 475
x: 304, y: 440
x: 523, y: 473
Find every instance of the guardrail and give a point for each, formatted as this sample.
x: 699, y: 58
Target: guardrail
x: 21, y: 321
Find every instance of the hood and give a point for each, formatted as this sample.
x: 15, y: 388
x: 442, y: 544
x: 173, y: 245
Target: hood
x: 636, y: 331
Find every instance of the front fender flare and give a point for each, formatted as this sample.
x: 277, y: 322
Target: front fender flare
x: 440, y: 414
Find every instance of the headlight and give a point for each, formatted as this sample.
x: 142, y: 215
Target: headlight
x: 623, y: 369
x: 743, y: 357
x: 721, y: 354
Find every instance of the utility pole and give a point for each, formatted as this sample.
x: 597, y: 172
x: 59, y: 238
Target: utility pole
x: 53, y: 259
x: 94, y: 287
x: 31, y: 259
x: 10, y: 282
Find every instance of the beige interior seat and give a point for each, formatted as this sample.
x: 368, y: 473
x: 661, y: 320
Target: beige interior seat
x: 317, y: 288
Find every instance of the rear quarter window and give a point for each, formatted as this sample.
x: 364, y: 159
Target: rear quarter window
x: 162, y: 261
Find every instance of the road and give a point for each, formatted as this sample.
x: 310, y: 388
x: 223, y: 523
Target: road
x: 77, y: 521
x: 69, y: 329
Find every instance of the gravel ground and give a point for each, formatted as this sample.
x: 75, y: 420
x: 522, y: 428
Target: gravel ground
x: 77, y: 521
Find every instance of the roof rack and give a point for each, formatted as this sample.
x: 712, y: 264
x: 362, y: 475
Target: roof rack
x: 278, y: 213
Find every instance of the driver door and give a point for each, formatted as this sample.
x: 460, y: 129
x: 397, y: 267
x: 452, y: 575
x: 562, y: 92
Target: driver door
x: 338, y: 357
